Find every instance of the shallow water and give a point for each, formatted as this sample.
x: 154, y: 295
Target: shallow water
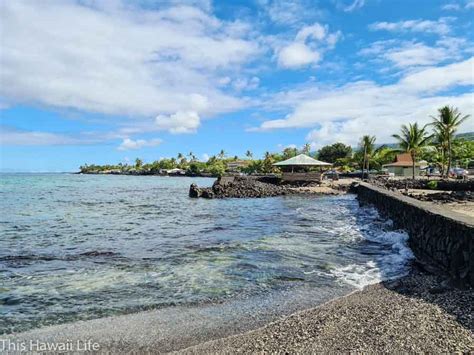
x: 87, y: 246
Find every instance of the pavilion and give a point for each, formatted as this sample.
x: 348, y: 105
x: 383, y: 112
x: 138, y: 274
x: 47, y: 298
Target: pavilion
x: 298, y: 168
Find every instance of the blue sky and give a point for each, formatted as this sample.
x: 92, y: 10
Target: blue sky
x: 107, y: 81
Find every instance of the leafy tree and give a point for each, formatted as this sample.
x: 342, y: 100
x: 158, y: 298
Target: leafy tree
x: 413, y: 140
x: 255, y: 166
x: 463, y: 152
x: 217, y: 168
x: 289, y: 152
x: 138, y: 163
x: 267, y: 164
x: 331, y: 153
x: 446, y: 124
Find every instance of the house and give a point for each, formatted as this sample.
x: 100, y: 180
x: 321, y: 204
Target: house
x: 235, y: 165
x: 403, y: 166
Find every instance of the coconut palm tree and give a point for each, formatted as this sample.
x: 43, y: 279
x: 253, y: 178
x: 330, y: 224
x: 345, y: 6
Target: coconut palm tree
x: 192, y: 157
x: 446, y: 124
x: 368, y: 146
x: 249, y: 154
x: 413, y: 140
x: 221, y: 154
x: 307, y: 148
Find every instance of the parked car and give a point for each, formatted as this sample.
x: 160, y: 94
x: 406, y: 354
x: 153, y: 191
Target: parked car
x: 458, y: 173
x: 331, y: 174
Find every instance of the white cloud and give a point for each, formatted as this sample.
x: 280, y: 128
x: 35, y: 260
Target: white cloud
x: 246, y: 83
x: 357, y: 4
x: 179, y: 122
x: 409, y: 54
x: 364, y: 107
x: 451, y: 6
x: 128, y: 144
x: 440, y: 27
x: 290, y: 12
x: 11, y: 136
x: 307, y: 48
x: 469, y: 4
x: 118, y: 60
x: 296, y: 55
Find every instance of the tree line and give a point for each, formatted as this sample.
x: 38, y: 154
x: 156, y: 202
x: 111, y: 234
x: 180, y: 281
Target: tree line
x: 436, y: 142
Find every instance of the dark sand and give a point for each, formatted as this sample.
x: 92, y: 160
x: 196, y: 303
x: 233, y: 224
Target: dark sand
x: 414, y: 314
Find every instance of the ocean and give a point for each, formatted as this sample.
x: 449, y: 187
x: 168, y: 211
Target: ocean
x: 76, y: 247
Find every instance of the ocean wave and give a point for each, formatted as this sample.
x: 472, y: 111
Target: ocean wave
x: 394, y: 263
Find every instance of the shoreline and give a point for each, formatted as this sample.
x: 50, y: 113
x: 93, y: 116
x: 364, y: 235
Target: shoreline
x: 419, y: 312
x: 416, y: 313
x: 178, y: 327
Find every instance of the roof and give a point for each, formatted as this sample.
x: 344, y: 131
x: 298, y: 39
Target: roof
x: 403, y: 160
x: 238, y: 163
x: 302, y: 160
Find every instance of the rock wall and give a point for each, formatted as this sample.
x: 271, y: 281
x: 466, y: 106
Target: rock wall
x: 441, y: 239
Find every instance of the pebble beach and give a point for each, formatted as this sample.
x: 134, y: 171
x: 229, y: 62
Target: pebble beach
x: 418, y: 313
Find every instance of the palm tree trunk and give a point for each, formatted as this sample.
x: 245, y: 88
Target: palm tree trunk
x: 363, y: 163
x: 413, y: 156
x: 449, y: 156
x: 442, y: 161
x: 368, y: 168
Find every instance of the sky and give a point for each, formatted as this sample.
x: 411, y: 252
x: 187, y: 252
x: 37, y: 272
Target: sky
x: 84, y: 81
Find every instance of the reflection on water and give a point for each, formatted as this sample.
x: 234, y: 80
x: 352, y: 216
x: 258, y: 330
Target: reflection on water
x: 82, y: 246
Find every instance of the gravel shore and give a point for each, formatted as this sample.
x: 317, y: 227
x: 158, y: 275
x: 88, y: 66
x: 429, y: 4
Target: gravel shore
x: 417, y: 313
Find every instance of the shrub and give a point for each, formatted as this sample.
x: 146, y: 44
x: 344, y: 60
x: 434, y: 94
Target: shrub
x: 432, y: 185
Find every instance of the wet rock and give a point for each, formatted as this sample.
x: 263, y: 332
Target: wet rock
x: 194, y: 191
x: 241, y: 187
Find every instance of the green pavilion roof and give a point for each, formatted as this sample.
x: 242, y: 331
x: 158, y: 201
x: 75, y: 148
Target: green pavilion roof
x: 302, y: 160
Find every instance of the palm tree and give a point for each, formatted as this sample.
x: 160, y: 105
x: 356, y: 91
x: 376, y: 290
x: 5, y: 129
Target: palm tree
x: 412, y: 140
x: 249, y: 154
x: 221, y: 154
x: 180, y: 156
x: 138, y: 163
x: 367, y: 143
x: 307, y: 148
x: 446, y: 124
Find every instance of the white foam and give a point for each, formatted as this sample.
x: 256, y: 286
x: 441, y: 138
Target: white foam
x: 393, y: 263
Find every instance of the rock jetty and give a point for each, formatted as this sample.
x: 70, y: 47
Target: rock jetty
x: 240, y: 187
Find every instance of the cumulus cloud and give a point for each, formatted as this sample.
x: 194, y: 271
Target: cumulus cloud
x: 440, y: 27
x: 347, y: 112
x: 405, y: 54
x: 296, y: 55
x: 307, y: 48
x: 118, y: 60
x: 128, y: 144
x: 179, y: 122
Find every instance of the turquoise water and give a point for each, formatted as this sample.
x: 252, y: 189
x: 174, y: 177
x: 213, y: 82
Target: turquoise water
x: 86, y: 246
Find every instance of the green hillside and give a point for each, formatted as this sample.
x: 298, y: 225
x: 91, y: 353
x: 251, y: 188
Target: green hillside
x: 469, y: 136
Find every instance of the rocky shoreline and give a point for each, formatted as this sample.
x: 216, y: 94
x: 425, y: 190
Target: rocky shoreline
x: 239, y: 187
x: 264, y: 186
x: 417, y: 313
